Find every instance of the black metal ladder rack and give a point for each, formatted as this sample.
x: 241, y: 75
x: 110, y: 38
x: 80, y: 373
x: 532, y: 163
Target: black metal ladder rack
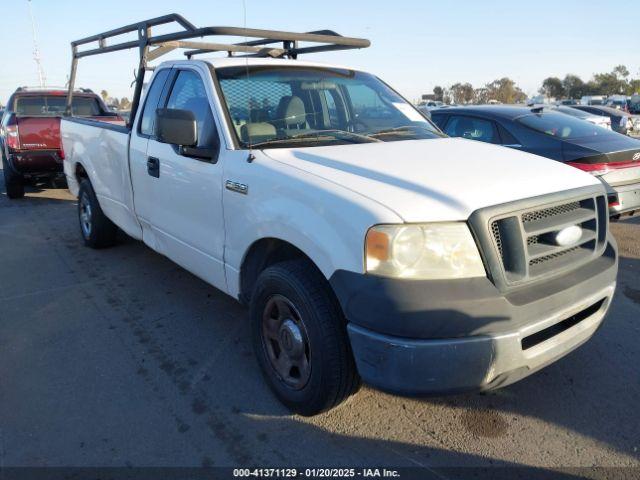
x: 150, y: 47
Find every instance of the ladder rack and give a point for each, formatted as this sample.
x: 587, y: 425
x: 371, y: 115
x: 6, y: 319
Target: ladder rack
x: 264, y: 43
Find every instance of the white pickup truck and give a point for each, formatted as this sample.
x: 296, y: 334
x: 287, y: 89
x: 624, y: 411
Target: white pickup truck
x: 367, y: 244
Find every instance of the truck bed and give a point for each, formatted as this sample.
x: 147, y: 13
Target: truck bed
x: 101, y: 149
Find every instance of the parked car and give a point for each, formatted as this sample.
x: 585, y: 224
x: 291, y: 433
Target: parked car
x: 599, y: 120
x: 621, y: 121
x: 633, y: 106
x: 30, y: 134
x: 609, y: 156
x: 365, y: 246
x: 619, y: 102
x: 593, y: 100
x: 426, y: 107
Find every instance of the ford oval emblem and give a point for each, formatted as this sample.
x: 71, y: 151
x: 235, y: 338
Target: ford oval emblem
x: 569, y: 236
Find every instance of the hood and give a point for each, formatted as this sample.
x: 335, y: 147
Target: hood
x: 435, y: 180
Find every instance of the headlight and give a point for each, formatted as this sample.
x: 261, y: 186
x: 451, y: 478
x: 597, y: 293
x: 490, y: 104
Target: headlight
x: 429, y: 251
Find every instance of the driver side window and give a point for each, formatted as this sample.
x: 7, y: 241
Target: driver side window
x: 189, y: 93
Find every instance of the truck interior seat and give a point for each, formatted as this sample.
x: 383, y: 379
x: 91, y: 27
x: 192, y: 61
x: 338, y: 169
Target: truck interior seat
x: 292, y: 114
x: 257, y: 132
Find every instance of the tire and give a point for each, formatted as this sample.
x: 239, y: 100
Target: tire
x: 13, y: 182
x: 298, y: 328
x: 96, y: 229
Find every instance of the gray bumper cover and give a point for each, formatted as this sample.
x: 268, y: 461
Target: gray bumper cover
x: 430, y: 338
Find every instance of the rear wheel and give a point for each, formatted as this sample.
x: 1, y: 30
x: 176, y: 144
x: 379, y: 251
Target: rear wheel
x: 96, y: 229
x: 300, y: 338
x: 13, y: 182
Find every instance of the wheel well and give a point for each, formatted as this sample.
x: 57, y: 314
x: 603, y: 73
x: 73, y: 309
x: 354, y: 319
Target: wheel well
x: 80, y: 172
x: 263, y: 254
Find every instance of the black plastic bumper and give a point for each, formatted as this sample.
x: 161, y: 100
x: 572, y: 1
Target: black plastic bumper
x: 36, y: 162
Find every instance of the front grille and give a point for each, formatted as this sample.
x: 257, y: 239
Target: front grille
x: 495, y: 229
x: 526, y: 241
x: 549, y: 212
x: 539, y: 260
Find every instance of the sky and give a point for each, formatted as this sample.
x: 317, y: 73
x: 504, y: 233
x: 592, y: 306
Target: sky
x: 416, y: 44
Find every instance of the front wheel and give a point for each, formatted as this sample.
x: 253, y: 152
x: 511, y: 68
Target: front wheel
x: 96, y: 229
x: 300, y: 338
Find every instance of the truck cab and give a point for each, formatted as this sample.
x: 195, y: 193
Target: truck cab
x: 367, y: 245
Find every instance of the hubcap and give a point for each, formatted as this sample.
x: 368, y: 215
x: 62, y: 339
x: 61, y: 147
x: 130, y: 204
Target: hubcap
x: 286, y: 343
x: 85, y: 215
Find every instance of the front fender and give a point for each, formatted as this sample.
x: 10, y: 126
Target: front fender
x: 326, y: 221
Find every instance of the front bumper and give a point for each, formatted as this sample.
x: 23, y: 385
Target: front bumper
x: 430, y: 338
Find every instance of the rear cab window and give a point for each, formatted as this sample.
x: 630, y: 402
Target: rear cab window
x: 55, y: 106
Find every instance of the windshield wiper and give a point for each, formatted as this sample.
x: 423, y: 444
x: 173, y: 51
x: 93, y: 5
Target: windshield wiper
x: 317, y: 134
x: 403, y: 129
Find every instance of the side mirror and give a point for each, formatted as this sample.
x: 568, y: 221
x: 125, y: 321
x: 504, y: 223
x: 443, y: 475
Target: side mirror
x: 177, y: 127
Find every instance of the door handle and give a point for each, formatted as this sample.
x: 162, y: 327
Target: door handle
x: 153, y: 167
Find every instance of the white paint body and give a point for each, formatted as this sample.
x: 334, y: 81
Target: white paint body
x: 320, y: 199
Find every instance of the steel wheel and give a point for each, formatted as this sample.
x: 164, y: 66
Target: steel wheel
x: 85, y: 215
x: 286, y: 342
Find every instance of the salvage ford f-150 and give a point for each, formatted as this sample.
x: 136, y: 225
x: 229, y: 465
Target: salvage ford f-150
x: 367, y: 244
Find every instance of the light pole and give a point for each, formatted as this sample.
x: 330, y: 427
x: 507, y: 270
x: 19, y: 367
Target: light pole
x: 36, y: 52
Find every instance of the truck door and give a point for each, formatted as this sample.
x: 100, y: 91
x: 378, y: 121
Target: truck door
x: 186, y: 215
x: 142, y: 131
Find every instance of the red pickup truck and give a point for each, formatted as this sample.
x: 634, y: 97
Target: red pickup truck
x: 30, y: 133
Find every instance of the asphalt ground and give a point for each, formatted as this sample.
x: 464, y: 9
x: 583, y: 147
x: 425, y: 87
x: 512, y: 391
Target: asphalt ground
x: 120, y: 358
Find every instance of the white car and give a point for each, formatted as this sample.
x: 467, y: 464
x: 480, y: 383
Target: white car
x: 604, y: 122
x: 366, y: 244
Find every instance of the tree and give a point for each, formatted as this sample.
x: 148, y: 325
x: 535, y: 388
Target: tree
x: 462, y: 93
x: 505, y: 90
x: 573, y: 86
x: 612, y: 83
x: 105, y: 95
x: 621, y: 71
x: 125, y: 104
x: 481, y: 95
x: 634, y: 86
x: 552, y: 87
x: 438, y: 91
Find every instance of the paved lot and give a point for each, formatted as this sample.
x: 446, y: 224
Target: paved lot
x: 118, y: 357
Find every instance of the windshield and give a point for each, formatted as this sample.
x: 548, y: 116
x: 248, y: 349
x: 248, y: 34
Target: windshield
x: 276, y: 106
x: 562, y: 126
x: 54, y: 106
